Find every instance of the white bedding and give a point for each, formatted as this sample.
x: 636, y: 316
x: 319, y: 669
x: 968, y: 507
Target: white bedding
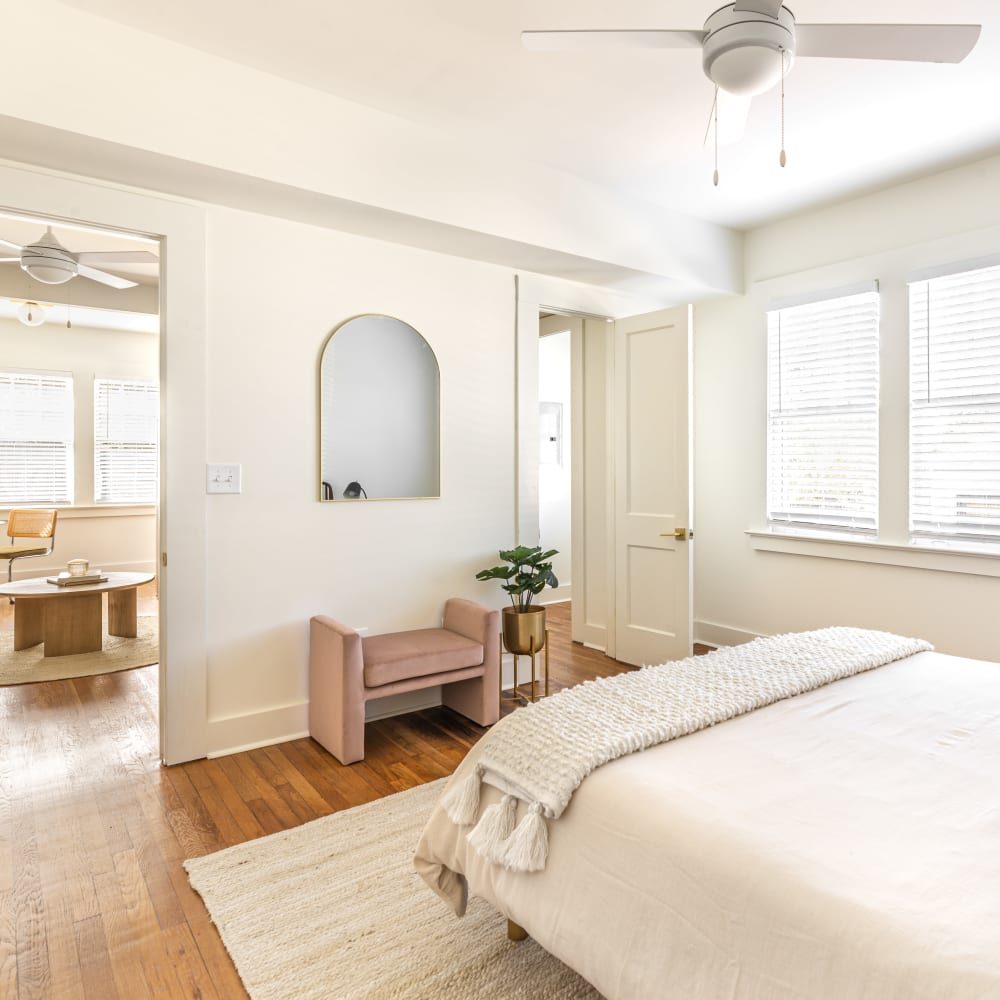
x: 841, y: 844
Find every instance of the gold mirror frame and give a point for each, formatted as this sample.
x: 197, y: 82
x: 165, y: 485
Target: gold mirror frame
x: 418, y: 378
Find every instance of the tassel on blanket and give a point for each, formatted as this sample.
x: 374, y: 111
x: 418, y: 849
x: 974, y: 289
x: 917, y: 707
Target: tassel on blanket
x: 489, y: 837
x: 461, y: 802
x: 527, y: 848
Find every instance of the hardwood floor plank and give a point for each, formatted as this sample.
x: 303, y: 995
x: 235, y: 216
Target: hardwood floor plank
x: 95, y: 962
x: 192, y: 976
x: 139, y: 912
x: 8, y: 944
x: 297, y: 780
x: 220, y: 791
x: 216, y: 959
x: 126, y: 967
x: 33, y: 967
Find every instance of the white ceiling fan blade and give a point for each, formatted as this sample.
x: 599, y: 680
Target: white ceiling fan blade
x: 769, y: 7
x: 733, y: 113
x: 11, y: 246
x: 552, y: 41
x: 941, y: 43
x: 104, y: 278
x: 119, y: 257
x: 10, y: 260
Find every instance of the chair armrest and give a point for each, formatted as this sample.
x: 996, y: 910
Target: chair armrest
x: 472, y: 620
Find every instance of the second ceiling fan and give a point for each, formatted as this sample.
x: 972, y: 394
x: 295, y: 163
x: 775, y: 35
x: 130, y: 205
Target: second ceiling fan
x: 48, y: 261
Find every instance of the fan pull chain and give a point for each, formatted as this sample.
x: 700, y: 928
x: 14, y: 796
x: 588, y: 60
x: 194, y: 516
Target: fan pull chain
x: 715, y: 119
x: 69, y: 308
x: 782, y: 158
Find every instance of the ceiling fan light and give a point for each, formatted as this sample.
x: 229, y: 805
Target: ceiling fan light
x: 48, y: 261
x: 49, y: 272
x: 746, y: 72
x: 743, y: 51
x: 31, y: 314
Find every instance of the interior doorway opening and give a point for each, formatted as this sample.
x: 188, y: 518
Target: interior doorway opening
x: 80, y: 434
x: 555, y: 449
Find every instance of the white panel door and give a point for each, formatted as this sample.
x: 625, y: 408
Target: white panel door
x: 652, y: 487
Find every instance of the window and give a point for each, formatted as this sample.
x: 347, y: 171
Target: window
x: 36, y: 438
x: 126, y: 420
x: 955, y: 406
x: 822, y: 414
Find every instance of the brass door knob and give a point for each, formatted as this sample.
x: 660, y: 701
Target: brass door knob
x: 681, y: 534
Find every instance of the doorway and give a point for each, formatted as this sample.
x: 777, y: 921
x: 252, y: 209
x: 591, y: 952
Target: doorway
x: 555, y: 447
x: 79, y: 401
x: 630, y: 436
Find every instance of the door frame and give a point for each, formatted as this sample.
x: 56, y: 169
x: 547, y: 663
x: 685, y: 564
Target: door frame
x: 180, y: 226
x: 533, y: 294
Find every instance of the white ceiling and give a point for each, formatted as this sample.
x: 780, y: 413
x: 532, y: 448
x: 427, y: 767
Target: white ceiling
x: 633, y: 121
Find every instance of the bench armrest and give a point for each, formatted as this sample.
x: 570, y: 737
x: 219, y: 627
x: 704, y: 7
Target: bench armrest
x: 471, y: 620
x: 336, y: 688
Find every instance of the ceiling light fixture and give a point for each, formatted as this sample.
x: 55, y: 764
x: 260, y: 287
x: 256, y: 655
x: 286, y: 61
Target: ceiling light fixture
x: 48, y: 261
x: 739, y: 47
x: 31, y: 314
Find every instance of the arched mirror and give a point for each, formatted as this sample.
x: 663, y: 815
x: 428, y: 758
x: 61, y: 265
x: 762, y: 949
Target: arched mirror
x: 379, y: 412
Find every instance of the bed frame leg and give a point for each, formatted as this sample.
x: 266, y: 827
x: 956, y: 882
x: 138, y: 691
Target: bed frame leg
x: 515, y: 932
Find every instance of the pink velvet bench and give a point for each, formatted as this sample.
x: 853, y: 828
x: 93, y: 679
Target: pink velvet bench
x: 347, y: 670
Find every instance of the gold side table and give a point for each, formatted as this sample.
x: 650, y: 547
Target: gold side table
x: 514, y: 696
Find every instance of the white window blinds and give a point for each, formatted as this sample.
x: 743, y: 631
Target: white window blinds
x: 955, y: 406
x: 822, y: 414
x: 126, y: 421
x: 36, y: 439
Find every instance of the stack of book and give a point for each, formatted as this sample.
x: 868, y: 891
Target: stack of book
x: 65, y: 579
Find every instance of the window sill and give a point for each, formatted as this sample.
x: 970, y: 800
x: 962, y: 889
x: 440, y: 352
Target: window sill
x: 100, y: 510
x: 944, y: 559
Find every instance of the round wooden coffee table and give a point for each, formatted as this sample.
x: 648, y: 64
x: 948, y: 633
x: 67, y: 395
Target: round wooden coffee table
x: 68, y: 619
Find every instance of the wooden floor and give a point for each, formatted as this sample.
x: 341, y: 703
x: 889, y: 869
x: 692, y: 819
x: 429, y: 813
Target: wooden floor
x: 93, y: 899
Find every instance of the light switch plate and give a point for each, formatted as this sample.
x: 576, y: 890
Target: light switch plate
x: 223, y: 478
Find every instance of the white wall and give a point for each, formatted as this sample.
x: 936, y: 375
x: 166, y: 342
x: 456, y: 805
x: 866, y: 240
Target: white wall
x: 746, y: 585
x: 111, y: 537
x: 555, y: 479
x: 275, y: 556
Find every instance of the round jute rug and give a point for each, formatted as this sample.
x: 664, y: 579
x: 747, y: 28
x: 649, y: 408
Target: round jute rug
x: 333, y: 910
x: 29, y: 665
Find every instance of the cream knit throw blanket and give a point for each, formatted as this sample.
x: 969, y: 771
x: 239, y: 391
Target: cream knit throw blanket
x: 539, y: 754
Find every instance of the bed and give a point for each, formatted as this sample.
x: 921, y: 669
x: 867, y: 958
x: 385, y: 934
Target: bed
x: 840, y: 844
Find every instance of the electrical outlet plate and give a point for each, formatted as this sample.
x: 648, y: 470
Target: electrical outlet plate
x: 223, y: 478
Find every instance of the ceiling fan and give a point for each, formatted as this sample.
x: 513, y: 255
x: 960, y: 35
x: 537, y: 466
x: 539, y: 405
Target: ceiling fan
x: 48, y: 261
x: 748, y: 46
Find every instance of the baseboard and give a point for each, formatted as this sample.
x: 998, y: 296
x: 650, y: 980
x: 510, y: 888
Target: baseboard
x: 713, y: 634
x: 237, y: 733
x: 257, y: 729
x: 25, y: 569
x: 556, y: 595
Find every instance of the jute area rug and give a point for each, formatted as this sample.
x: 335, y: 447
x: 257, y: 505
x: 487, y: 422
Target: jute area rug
x: 334, y: 910
x: 29, y: 665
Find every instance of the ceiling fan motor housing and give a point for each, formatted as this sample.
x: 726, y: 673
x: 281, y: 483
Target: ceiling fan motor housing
x: 48, y: 261
x: 740, y: 53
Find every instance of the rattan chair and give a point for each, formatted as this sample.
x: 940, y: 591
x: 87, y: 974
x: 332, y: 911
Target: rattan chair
x: 37, y: 525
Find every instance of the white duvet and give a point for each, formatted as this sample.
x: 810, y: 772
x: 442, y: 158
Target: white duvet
x: 842, y: 844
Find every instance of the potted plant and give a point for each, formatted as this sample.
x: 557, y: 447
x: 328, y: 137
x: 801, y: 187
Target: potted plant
x: 528, y: 571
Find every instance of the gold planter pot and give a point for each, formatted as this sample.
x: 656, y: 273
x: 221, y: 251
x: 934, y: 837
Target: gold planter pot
x: 523, y: 631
